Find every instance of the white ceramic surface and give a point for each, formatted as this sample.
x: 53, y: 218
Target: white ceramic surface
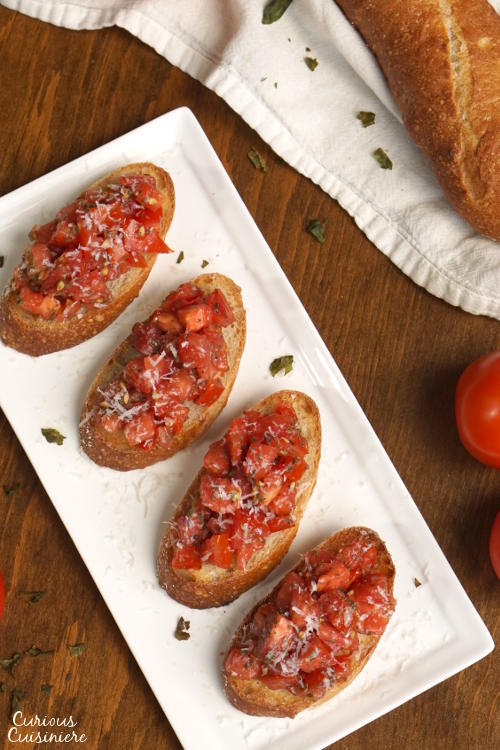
x: 116, y: 519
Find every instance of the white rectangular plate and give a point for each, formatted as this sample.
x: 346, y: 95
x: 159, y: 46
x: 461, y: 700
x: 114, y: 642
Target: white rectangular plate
x: 116, y: 519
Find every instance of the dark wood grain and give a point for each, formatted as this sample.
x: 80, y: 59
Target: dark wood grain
x: 63, y: 93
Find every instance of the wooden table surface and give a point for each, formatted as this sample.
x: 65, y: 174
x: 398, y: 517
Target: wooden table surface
x: 63, y: 93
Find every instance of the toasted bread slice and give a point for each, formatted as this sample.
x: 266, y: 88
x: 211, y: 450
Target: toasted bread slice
x: 36, y: 336
x: 212, y: 586
x: 253, y: 697
x: 112, y: 449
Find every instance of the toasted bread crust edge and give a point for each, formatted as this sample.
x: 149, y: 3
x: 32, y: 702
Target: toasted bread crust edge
x: 253, y: 697
x: 212, y: 586
x: 34, y: 335
x: 112, y: 450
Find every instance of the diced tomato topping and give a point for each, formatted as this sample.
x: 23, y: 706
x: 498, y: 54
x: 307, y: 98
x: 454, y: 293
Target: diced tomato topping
x: 41, y: 257
x: 315, y: 655
x: 195, y: 317
x: 338, y: 609
x: 195, y: 351
x: 304, y: 609
x: 244, y: 666
x: 216, y: 550
x: 283, y: 597
x: 168, y: 322
x: 35, y: 303
x: 187, y: 557
x: 237, y: 440
x: 316, y: 683
x: 275, y: 681
x: 177, y: 385
x: 210, y: 394
x: 259, y: 459
x: 373, y: 604
x: 219, y: 494
x: 110, y: 422
x: 147, y: 338
x: 276, y: 636
x: 185, y: 295
x: 44, y: 233
x: 140, y: 428
x: 64, y: 234
x: 222, y: 314
x: 190, y: 528
x: 284, y: 503
x: 338, y: 577
x: 216, y: 460
x: 153, y: 369
x: 90, y: 289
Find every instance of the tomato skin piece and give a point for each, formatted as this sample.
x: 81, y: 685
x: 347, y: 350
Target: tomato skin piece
x: 244, y: 666
x: 222, y: 314
x: 338, y: 577
x: 259, y: 459
x: 140, y: 428
x: 495, y: 545
x: 315, y: 655
x: 275, y: 681
x: 187, y: 557
x: 195, y: 317
x: 216, y: 459
x: 36, y: 303
x: 212, y: 391
x: 477, y: 409
x: 217, y: 548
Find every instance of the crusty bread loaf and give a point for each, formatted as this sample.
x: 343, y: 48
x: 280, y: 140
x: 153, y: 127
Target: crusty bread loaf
x: 112, y: 449
x: 36, y: 336
x: 441, y: 59
x: 212, y: 586
x: 253, y: 697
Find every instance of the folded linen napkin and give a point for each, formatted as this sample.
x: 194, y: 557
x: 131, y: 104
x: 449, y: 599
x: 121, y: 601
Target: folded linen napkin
x: 309, y: 118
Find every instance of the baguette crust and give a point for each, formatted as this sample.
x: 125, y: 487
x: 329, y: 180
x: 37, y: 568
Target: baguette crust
x: 34, y: 335
x: 212, y: 586
x: 441, y: 59
x: 255, y: 698
x: 112, y: 449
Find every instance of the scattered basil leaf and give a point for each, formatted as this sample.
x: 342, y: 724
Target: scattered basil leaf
x: 9, y: 663
x: 3, y: 687
x: 9, y: 489
x: 77, y: 649
x: 34, y: 596
x: 46, y: 688
x: 35, y: 651
x: 276, y: 84
x: 317, y: 229
x: 204, y: 263
x: 257, y: 160
x: 311, y: 63
x: 417, y: 583
x: 284, y: 363
x: 308, y: 49
x: 17, y: 695
x: 274, y: 10
x: 181, y: 630
x: 366, y: 118
x: 180, y: 257
x: 263, y: 79
x: 2, y: 258
x: 382, y: 158
x: 52, y: 435
x: 289, y: 39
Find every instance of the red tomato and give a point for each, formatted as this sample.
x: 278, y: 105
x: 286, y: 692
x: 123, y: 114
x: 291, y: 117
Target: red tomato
x: 41, y: 257
x: 373, y: 604
x: 221, y: 311
x: 209, y: 396
x: 218, y: 493
x: 216, y: 459
x: 195, y: 350
x: 147, y: 337
x: 195, y: 317
x: 259, y: 459
x: 237, y: 440
x: 244, y: 666
x: 276, y: 636
x: 275, y: 681
x: 189, y: 528
x: 338, y: 577
x: 168, y: 322
x: 186, y: 294
x: 284, y: 503
x: 140, y: 428
x: 186, y: 557
x: 304, y: 608
x: 338, y: 609
x: 2, y: 594
x: 315, y: 655
x: 477, y: 409
x: 39, y: 304
x: 495, y: 545
x: 216, y: 550
x: 283, y: 596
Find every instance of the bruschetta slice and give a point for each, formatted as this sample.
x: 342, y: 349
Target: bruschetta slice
x: 167, y: 382
x: 84, y: 267
x: 242, y: 511
x: 310, y: 637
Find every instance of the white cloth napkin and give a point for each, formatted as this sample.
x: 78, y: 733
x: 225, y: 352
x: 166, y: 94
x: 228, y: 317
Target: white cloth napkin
x: 309, y: 119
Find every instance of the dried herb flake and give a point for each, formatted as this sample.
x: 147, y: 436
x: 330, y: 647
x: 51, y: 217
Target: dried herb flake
x: 382, y: 158
x: 284, y: 363
x: 9, y: 663
x: 34, y: 596
x: 52, y: 435
x: 257, y: 159
x: 17, y: 695
x: 181, y: 629
x: 274, y: 10
x: 417, y: 582
x: 204, y: 263
x: 8, y: 489
x: 317, y: 229
x: 2, y: 258
x: 77, y: 649
x: 180, y: 257
x: 311, y: 63
x: 3, y: 687
x: 366, y: 118
x: 35, y: 651
x: 46, y: 688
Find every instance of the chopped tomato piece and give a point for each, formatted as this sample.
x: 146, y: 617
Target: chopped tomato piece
x: 218, y: 353
x: 177, y: 385
x: 319, y: 562
x: 216, y: 550
x: 316, y: 683
x: 295, y: 470
x: 140, y: 428
x: 219, y: 494
x: 284, y: 503
x: 283, y: 597
x: 186, y: 557
x: 259, y: 459
x: 147, y: 338
x: 315, y: 655
x: 168, y: 322
x: 374, y: 605
x: 222, y: 314
x: 216, y: 459
x: 209, y: 396
x: 41, y: 257
x: 276, y: 681
x: 44, y: 233
x: 190, y: 528
x: 334, y: 639
x: 305, y: 610
x: 338, y: 609
x: 185, y: 295
x: 154, y: 370
x: 110, y: 422
x: 195, y: 351
x: 172, y: 415
x: 195, y: 317
x: 276, y: 636
x: 237, y: 440
x: 338, y: 577
x: 36, y: 303
x: 244, y: 666
x: 64, y: 234
x: 90, y: 289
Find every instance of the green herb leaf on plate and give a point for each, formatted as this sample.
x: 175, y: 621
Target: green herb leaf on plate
x: 284, y: 363
x: 257, y: 159
x: 317, y: 229
x: 52, y: 435
x: 382, y: 158
x: 181, y: 629
x: 311, y: 63
x: 417, y: 582
x: 180, y: 257
x: 274, y: 10
x: 204, y: 263
x: 2, y: 258
x: 366, y: 118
